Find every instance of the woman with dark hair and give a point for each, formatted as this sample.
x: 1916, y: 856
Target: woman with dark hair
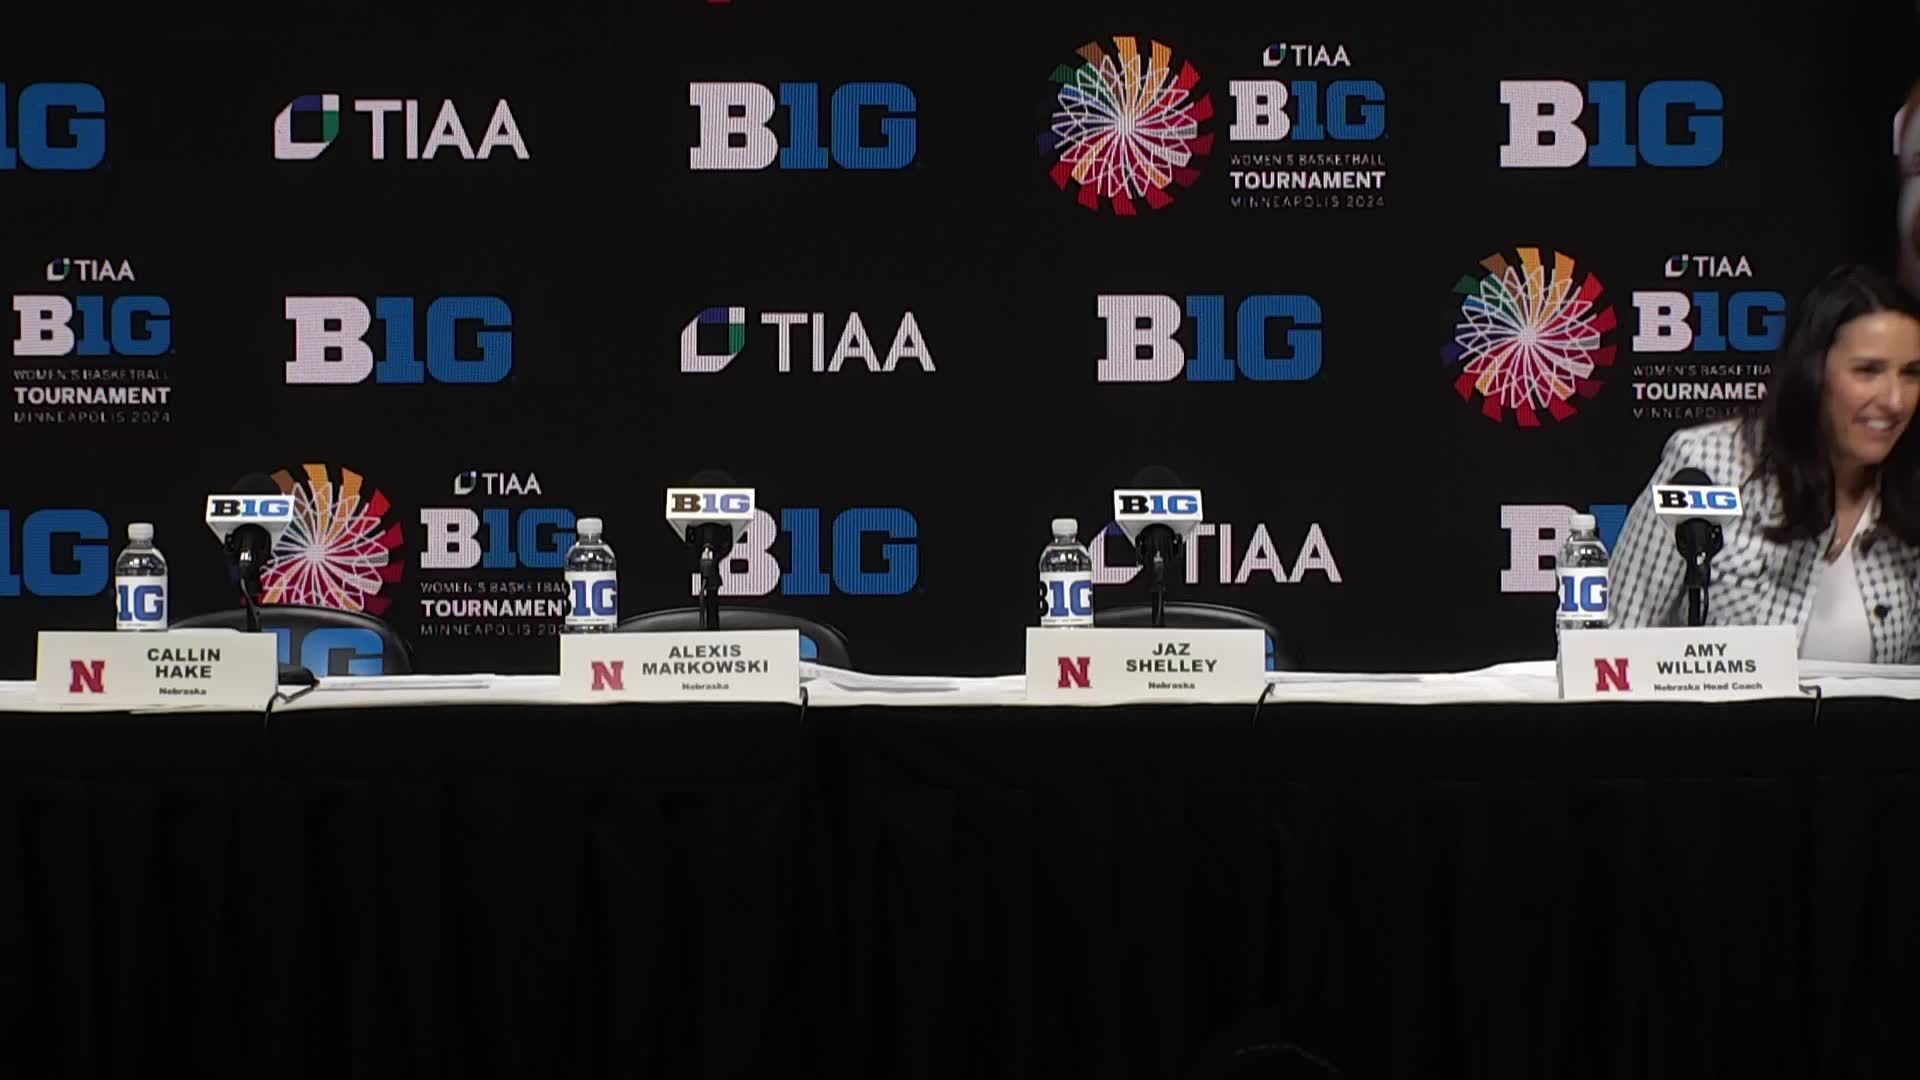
x: 1830, y: 478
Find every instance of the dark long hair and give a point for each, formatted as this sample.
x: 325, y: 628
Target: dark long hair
x: 1792, y: 441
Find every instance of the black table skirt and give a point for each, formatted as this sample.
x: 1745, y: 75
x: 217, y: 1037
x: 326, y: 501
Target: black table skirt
x: 1644, y: 891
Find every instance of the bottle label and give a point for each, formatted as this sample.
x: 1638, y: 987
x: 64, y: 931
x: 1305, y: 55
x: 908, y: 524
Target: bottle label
x: 1583, y: 594
x: 593, y: 598
x: 1066, y: 598
x: 142, y: 602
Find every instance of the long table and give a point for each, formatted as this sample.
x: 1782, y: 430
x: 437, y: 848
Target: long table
x: 1403, y: 875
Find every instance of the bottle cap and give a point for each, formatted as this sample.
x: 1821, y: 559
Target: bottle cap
x: 140, y: 530
x: 1581, y: 523
x: 588, y: 526
x: 1066, y: 527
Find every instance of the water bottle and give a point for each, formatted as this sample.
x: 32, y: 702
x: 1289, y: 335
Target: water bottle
x: 1582, y: 575
x: 593, y: 597
x: 1066, y: 578
x: 140, y: 582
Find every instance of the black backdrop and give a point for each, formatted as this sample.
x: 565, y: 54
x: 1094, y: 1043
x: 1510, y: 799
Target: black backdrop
x: 604, y: 244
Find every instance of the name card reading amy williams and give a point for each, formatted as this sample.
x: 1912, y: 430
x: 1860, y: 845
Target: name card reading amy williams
x: 1699, y: 663
x: 720, y: 665
x: 201, y: 669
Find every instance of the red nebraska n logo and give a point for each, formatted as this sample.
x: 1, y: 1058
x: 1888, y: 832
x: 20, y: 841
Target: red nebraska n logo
x: 1073, y: 672
x: 610, y: 675
x: 90, y: 675
x: 1610, y: 671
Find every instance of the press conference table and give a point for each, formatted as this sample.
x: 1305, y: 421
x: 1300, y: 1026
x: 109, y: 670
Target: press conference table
x: 1415, y: 875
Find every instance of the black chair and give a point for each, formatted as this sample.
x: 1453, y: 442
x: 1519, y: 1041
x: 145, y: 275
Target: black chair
x: 325, y: 641
x: 819, y: 642
x: 1187, y: 616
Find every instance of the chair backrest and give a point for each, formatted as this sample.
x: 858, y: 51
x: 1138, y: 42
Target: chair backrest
x: 1190, y: 616
x: 325, y: 641
x: 819, y: 642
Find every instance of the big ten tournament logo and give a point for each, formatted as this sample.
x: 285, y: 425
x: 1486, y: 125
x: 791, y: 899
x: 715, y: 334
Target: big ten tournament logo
x: 1535, y: 534
x: 491, y: 560
x: 52, y: 127
x: 1703, y: 339
x: 310, y: 123
x: 716, y: 336
x: 747, y: 126
x: 468, y: 339
x: 91, y: 345
x: 860, y: 551
x: 343, y: 547
x: 1130, y: 124
x: 1308, y: 134
x: 1158, y: 338
x: 1610, y: 124
x: 1532, y: 333
x: 1225, y: 554
x: 54, y: 552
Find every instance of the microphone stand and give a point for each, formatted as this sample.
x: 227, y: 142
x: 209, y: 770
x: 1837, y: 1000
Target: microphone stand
x: 709, y: 589
x: 249, y: 570
x: 1159, y: 589
x: 1698, y: 551
x: 1699, y: 577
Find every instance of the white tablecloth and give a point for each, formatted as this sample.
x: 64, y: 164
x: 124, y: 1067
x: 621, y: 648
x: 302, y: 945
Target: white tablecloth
x: 1522, y: 682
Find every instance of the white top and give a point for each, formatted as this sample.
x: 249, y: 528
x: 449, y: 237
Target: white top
x: 1837, y: 628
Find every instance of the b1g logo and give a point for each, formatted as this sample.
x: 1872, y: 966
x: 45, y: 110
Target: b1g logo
x: 710, y: 502
x: 311, y: 122
x: 867, y: 551
x: 469, y: 339
x: 91, y: 324
x: 1156, y: 505
x: 1535, y: 534
x: 61, y: 127
x: 62, y: 552
x: 1544, y: 132
x: 1307, y: 110
x: 1706, y: 500
x: 1127, y: 125
x: 536, y: 538
x: 736, y: 126
x: 1704, y: 349
x: 1141, y: 346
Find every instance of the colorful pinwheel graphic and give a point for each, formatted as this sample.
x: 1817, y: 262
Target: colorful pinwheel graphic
x: 1126, y: 126
x: 341, y: 551
x: 1530, y: 338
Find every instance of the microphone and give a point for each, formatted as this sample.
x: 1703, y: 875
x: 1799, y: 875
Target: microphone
x: 249, y: 521
x: 1701, y: 507
x: 1157, y: 512
x: 710, y: 516
x: 713, y: 512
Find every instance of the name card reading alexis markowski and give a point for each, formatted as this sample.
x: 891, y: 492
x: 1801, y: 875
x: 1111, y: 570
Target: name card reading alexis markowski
x: 1105, y: 665
x: 719, y: 665
x: 1707, y: 663
x: 219, y: 669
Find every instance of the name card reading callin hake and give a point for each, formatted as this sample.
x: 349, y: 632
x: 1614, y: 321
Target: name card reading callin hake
x: 1704, y: 663
x: 198, y: 669
x: 1107, y: 665
x: 717, y: 665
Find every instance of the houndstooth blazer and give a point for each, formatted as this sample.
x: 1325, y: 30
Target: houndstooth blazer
x: 1756, y: 582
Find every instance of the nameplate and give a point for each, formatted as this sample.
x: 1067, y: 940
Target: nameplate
x: 168, y: 669
x: 1109, y: 665
x: 1710, y: 663
x: 720, y: 665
